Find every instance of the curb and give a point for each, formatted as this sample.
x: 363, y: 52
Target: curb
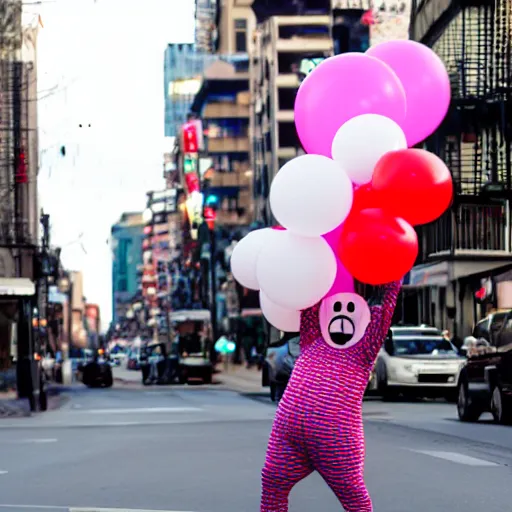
x: 15, y: 408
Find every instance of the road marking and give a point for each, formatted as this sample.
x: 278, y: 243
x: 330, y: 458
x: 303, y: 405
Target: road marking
x: 458, y: 458
x: 120, y: 510
x: 141, y: 409
x: 37, y: 441
x: 81, y: 509
x: 3, y: 472
x: 33, y: 507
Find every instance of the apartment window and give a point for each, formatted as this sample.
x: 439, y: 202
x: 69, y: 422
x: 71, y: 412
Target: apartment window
x: 241, y: 36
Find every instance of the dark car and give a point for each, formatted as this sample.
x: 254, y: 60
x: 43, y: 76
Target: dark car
x: 279, y: 362
x: 157, y: 366
x: 485, y: 383
x: 97, y: 371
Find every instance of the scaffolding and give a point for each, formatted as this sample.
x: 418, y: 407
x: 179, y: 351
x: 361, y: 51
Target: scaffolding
x: 475, y: 139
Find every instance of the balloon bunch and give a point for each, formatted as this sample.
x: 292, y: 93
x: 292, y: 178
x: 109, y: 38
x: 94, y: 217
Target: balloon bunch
x: 349, y: 206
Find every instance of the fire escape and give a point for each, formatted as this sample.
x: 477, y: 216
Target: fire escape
x: 13, y: 130
x: 473, y: 38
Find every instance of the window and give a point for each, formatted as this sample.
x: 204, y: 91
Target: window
x: 241, y: 36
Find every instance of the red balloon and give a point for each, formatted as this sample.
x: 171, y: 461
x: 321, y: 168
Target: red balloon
x: 364, y: 197
x: 377, y: 248
x: 413, y: 184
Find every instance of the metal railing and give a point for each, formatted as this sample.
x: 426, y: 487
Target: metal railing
x: 471, y: 229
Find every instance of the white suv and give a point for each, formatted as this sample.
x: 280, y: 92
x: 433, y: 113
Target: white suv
x: 418, y: 361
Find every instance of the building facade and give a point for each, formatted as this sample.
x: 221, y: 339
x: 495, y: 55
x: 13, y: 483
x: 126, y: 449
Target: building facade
x: 183, y: 68
x: 282, y: 45
x: 20, y: 263
x: 465, y: 257
x: 126, y: 241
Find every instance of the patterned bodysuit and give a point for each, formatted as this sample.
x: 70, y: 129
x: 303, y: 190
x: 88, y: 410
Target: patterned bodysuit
x: 318, y: 424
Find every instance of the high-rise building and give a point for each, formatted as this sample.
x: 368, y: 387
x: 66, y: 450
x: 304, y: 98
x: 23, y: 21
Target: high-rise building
x: 183, y: 68
x: 126, y: 242
x: 283, y: 47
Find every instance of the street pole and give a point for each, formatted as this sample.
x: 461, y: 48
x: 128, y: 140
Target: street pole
x: 213, y: 278
x: 67, y: 370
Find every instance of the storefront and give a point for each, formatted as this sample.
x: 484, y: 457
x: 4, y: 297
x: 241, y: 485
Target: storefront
x: 18, y: 369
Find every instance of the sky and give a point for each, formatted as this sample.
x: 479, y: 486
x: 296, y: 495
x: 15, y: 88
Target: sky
x: 100, y: 63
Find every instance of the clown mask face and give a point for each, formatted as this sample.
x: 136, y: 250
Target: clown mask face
x: 344, y: 318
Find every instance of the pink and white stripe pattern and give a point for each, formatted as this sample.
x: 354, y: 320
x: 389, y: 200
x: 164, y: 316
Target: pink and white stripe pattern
x: 318, y: 424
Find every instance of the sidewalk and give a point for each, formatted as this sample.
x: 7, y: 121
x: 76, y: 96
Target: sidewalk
x: 237, y: 378
x: 241, y: 379
x: 13, y: 407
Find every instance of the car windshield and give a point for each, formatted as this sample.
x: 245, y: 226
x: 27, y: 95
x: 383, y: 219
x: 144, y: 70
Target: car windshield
x: 412, y: 345
x: 416, y: 332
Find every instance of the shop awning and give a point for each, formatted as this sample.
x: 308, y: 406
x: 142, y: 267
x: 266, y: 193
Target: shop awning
x: 16, y: 287
x: 443, y: 272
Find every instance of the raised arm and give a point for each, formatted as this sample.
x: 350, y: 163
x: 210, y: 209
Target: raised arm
x: 309, y: 326
x: 382, y: 316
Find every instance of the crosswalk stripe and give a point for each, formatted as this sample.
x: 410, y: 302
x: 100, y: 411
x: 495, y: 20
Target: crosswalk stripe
x: 139, y: 409
x: 4, y: 472
x: 458, y: 458
x: 120, y: 510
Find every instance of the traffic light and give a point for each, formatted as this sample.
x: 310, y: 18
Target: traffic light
x: 189, y: 165
x: 212, y: 200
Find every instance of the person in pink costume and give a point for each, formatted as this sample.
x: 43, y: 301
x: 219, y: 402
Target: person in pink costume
x: 319, y: 424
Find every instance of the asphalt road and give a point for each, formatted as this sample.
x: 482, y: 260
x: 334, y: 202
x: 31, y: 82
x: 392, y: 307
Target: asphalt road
x: 201, y: 450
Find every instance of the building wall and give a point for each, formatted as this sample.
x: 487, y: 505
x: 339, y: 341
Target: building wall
x: 127, y: 236
x: 234, y: 12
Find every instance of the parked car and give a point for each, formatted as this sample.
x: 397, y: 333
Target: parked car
x: 158, y: 367
x: 278, y: 364
x: 96, y: 372
x: 486, y: 379
x: 418, y: 361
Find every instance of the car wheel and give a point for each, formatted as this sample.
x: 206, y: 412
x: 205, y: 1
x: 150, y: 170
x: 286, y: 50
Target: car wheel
x: 388, y: 394
x: 501, y: 407
x: 108, y: 382
x: 280, y: 389
x: 273, y: 391
x: 467, y: 410
x: 208, y: 377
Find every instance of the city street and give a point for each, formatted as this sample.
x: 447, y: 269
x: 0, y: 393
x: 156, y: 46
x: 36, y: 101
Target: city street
x: 201, y: 450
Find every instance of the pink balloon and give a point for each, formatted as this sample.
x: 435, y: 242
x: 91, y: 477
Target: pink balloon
x: 344, y: 282
x: 340, y: 88
x: 426, y: 84
x: 333, y: 237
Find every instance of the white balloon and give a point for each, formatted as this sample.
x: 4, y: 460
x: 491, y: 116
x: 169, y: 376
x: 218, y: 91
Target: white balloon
x: 360, y: 143
x: 295, y: 272
x: 311, y: 195
x: 245, y: 254
x: 287, y: 320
